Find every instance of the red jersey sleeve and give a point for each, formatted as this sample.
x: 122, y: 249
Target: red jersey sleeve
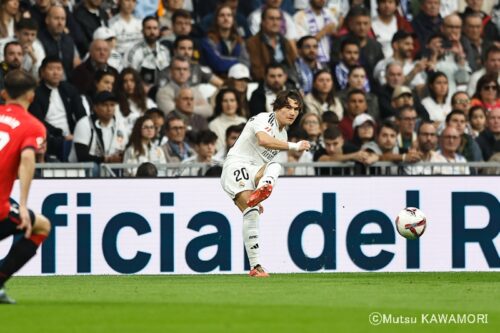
x: 36, y: 135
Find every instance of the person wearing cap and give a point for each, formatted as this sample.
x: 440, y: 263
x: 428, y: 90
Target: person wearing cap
x: 238, y: 78
x: 387, y: 22
x: 269, y: 45
x: 403, y: 96
x: 99, y: 137
x: 126, y: 26
x: 403, y: 48
x: 59, y: 106
x: 83, y: 75
x: 364, y: 128
x: 90, y: 15
x: 115, y: 59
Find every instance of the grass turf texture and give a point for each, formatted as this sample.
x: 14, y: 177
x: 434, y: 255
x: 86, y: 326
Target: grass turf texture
x: 235, y: 303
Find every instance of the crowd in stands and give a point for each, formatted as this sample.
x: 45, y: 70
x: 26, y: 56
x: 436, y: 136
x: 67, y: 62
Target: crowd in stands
x: 175, y: 81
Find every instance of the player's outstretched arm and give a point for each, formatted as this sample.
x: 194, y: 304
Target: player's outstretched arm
x: 26, y: 172
x: 267, y: 141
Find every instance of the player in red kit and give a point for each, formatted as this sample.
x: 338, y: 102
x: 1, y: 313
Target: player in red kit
x: 21, y: 135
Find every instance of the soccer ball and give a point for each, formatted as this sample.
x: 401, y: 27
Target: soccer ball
x: 411, y: 223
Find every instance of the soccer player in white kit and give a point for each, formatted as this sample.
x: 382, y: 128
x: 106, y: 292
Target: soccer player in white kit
x: 249, y: 173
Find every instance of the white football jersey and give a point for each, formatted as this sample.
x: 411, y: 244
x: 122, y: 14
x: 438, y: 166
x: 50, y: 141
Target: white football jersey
x: 247, y: 148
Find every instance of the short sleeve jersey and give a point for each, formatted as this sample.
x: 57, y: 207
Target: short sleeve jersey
x: 247, y: 148
x: 19, y: 130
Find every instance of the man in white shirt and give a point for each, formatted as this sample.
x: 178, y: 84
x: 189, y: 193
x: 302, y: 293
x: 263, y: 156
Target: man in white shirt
x: 149, y: 57
x: 127, y: 27
x: 249, y: 171
x: 450, y: 142
x: 287, y: 24
x: 426, y: 147
x: 319, y: 22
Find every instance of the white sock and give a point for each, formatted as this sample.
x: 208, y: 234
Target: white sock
x: 271, y: 173
x: 251, y: 234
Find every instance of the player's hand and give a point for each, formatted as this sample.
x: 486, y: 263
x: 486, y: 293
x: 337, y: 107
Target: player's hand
x: 25, y: 221
x: 304, y: 145
x: 261, y: 209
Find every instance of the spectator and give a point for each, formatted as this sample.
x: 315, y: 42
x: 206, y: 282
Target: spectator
x: 33, y: 53
x: 205, y: 151
x: 226, y: 113
x: 337, y: 150
x: 349, y: 57
x: 460, y: 101
x: 287, y: 25
x: 148, y: 56
x: 103, y: 81
x: 13, y: 59
x: 265, y: 94
x: 489, y: 137
x: 184, y: 47
x: 179, y: 74
x: 90, y: 15
x: 84, y: 74
x: 270, y: 46
x: 403, y: 50
x: 238, y: 78
x: 184, y: 108
x: 364, y: 128
x: 223, y: 46
x: 426, y: 147
x: 307, y: 63
x: 319, y: 22
x: 477, y: 120
x: 490, y: 32
x: 449, y: 144
x: 165, y: 18
x: 387, y: 23
x: 436, y: 103
x: 132, y: 98
x: 359, y: 27
x: 472, y: 42
x: 394, y: 78
x: 292, y: 156
x: 115, y: 59
x: 141, y: 147
x: 176, y: 148
x: 208, y: 19
x: 232, y: 134
x: 329, y: 119
x: 356, y: 104
x: 387, y: 148
x: 487, y: 93
x: 147, y: 170
x: 322, y: 97
x: 59, y: 106
x: 491, y: 66
x: 443, y: 60
x: 428, y: 21
x: 182, y: 26
x: 159, y: 120
x: 126, y: 26
x: 468, y: 147
x: 357, y: 79
x: 9, y: 16
x: 99, y: 137
x: 403, y: 96
x: 310, y: 123
x: 406, y: 121
x: 56, y: 42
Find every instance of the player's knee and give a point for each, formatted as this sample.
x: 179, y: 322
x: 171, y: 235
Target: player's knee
x: 42, y: 225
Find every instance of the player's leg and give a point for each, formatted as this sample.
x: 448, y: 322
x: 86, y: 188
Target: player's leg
x: 250, y: 232
x: 24, y: 249
x: 265, y: 178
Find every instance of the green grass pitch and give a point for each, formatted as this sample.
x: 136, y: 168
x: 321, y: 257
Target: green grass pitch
x: 333, y: 302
